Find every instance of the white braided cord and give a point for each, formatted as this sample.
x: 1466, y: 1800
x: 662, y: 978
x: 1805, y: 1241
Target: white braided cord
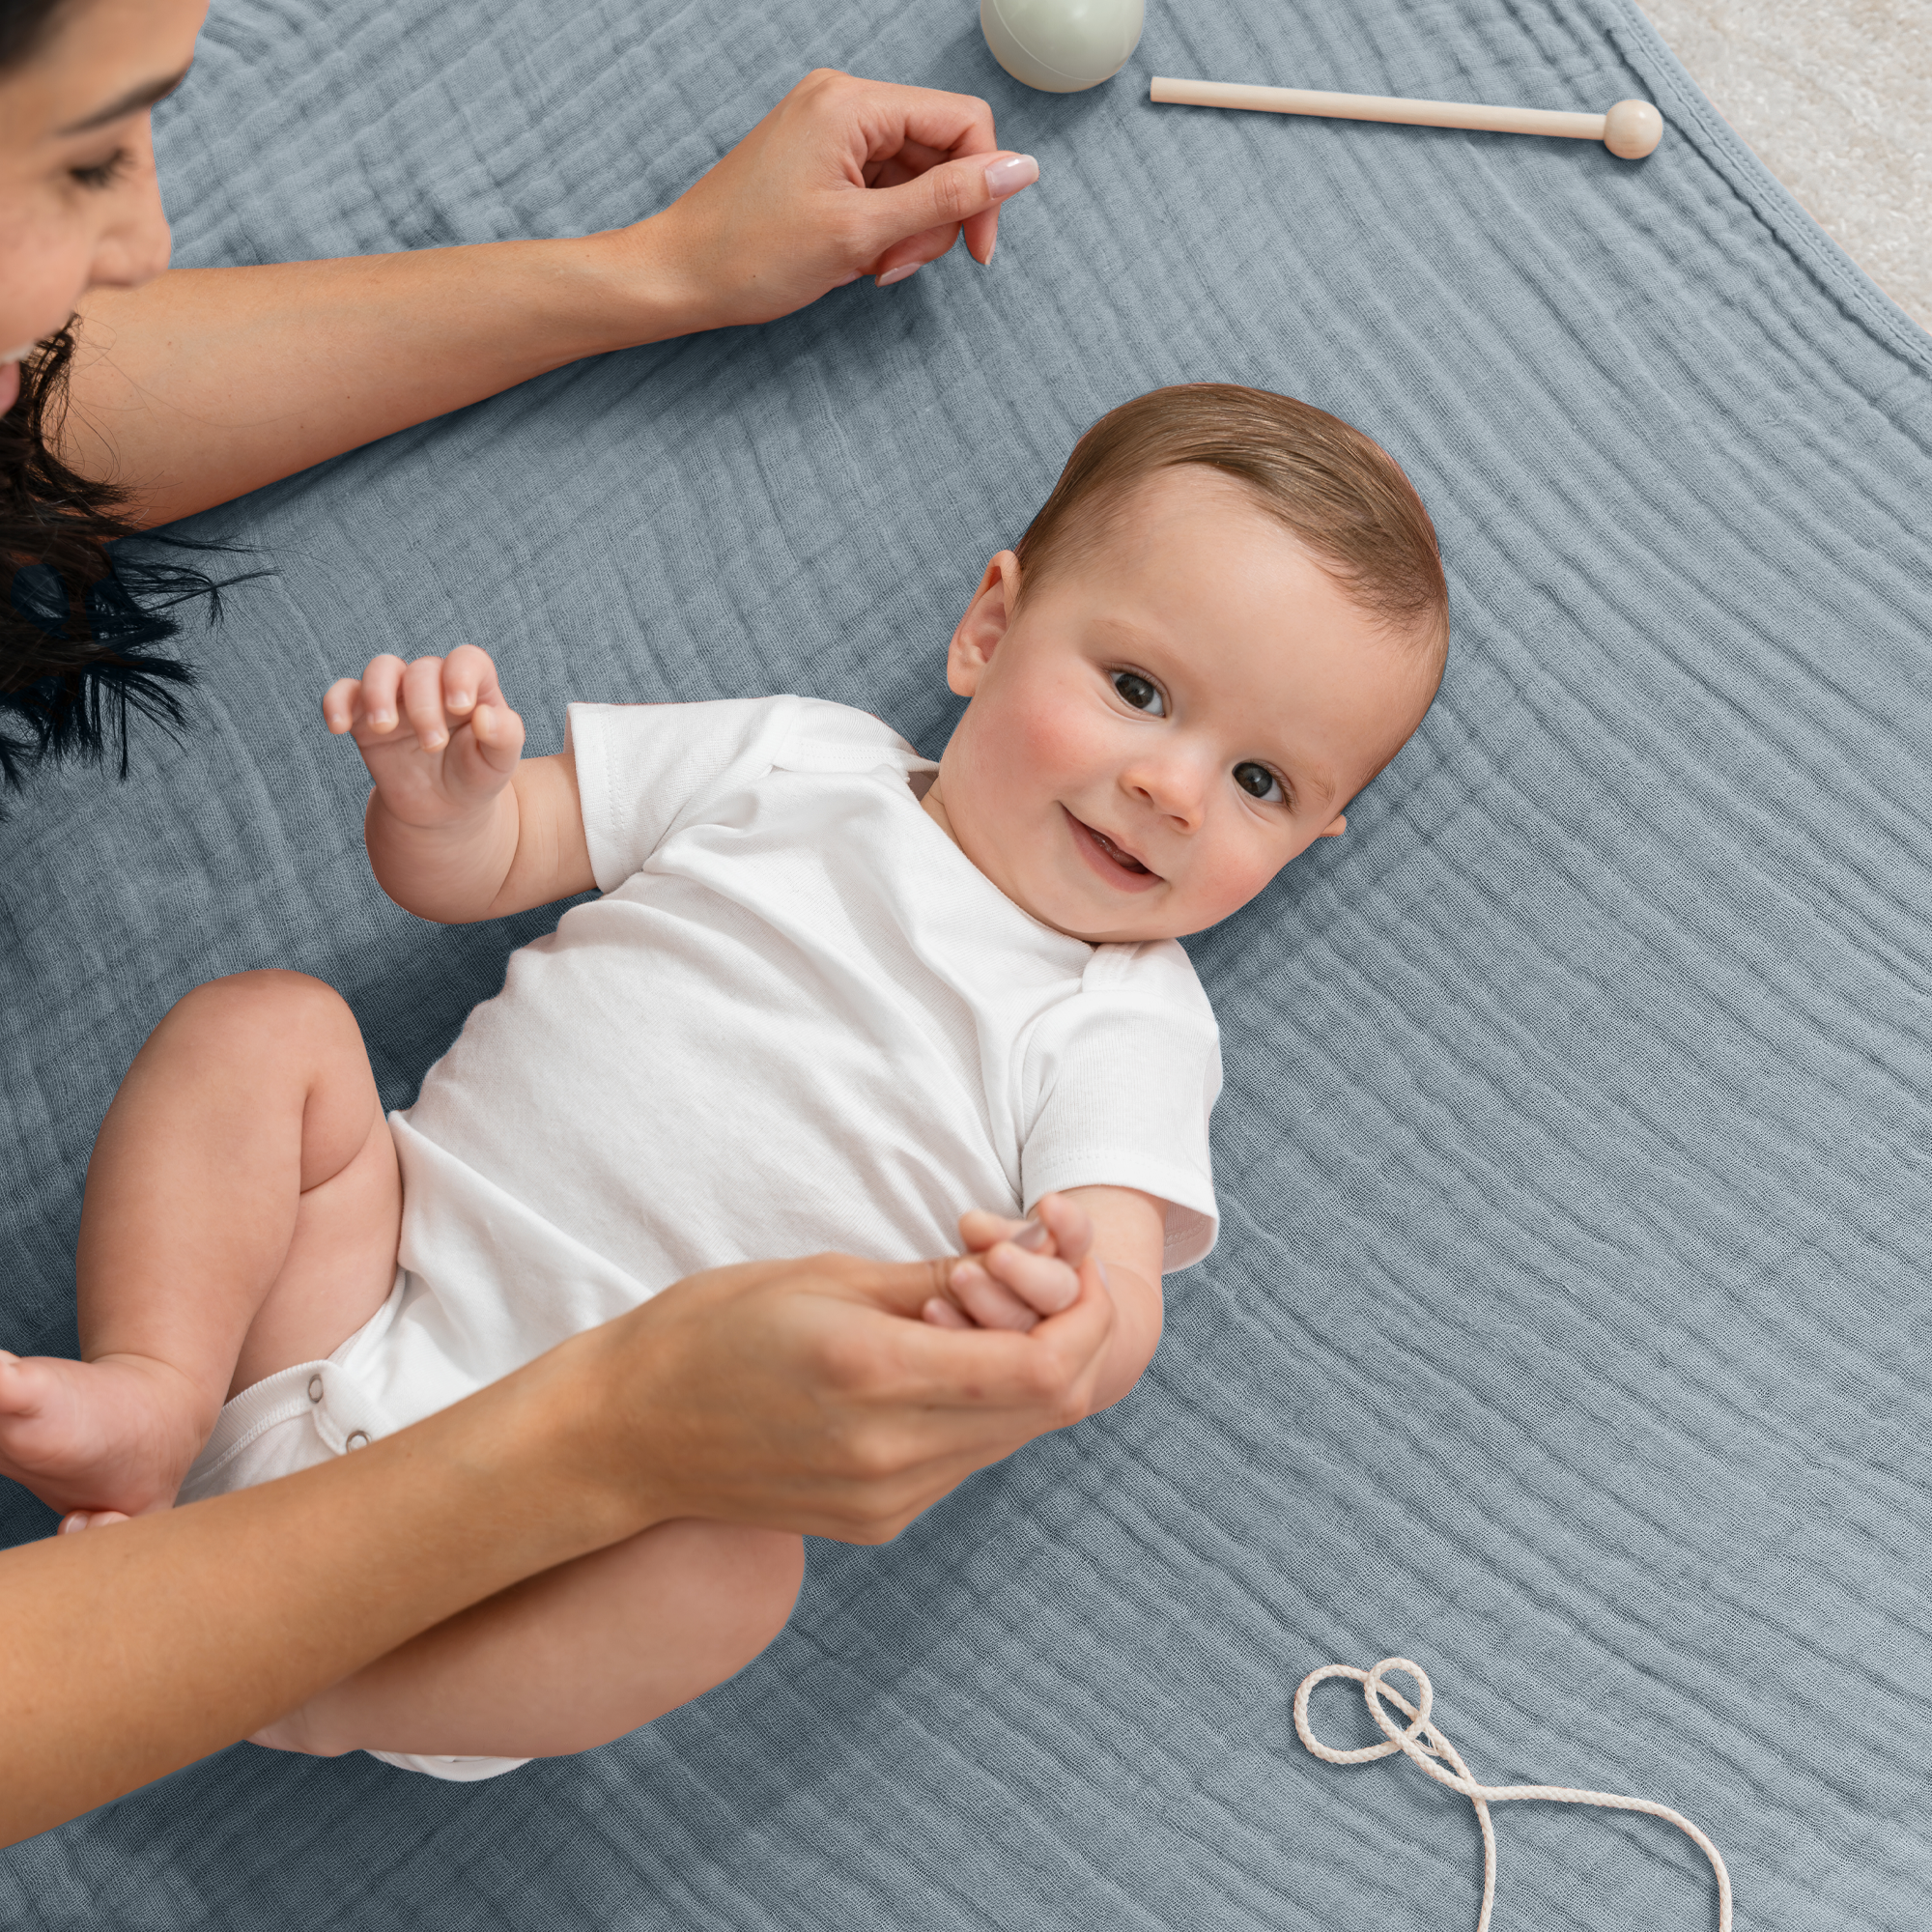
x: 1422, y: 1742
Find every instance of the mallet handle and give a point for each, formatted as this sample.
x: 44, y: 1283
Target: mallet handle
x: 1378, y: 107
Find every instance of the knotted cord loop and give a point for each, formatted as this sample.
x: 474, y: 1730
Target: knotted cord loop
x: 1422, y: 1741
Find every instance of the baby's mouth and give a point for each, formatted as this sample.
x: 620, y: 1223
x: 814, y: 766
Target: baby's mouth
x: 1113, y: 852
x: 1105, y: 853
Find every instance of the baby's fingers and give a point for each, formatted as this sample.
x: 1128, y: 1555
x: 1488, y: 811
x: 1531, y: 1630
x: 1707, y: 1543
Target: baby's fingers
x: 422, y: 704
x: 495, y: 738
x: 468, y: 679
x: 1043, y: 1282
x: 382, y: 690
x: 341, y: 704
x: 990, y: 1304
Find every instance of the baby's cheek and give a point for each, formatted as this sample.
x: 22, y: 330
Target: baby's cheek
x: 1057, y: 744
x: 1225, y: 880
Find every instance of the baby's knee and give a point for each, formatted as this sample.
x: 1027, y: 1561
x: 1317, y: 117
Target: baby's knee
x: 270, y: 1004
x: 748, y: 1581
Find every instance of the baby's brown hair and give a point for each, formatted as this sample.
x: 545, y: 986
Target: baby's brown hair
x: 1337, y: 492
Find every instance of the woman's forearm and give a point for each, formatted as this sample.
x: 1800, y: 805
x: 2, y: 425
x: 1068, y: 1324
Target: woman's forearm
x: 805, y: 1395
x: 209, y: 383
x: 134, y: 1650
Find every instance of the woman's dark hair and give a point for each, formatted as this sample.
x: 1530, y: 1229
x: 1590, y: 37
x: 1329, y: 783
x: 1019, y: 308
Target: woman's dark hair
x: 23, y: 22
x: 81, y: 625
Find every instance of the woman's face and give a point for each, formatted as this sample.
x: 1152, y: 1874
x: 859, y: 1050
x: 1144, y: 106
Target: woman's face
x: 79, y: 207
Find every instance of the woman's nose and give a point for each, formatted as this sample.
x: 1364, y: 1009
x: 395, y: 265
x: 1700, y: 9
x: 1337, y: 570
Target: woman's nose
x: 136, y: 244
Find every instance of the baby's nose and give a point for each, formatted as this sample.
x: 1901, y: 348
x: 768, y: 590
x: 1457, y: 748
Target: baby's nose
x: 1172, y: 786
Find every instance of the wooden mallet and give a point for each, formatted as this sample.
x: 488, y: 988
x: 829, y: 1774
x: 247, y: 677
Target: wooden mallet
x: 1630, y: 129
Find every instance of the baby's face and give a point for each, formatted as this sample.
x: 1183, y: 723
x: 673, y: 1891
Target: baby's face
x: 1166, y: 721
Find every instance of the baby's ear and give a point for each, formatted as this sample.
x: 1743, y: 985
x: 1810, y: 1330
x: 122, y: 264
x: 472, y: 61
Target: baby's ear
x: 983, y: 625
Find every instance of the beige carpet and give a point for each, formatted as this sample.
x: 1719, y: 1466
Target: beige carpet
x: 1835, y: 98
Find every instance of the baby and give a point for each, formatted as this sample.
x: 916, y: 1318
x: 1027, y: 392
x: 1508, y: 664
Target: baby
x: 830, y: 993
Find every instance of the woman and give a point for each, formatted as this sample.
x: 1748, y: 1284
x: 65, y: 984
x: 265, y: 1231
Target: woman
x: 803, y: 1397
x: 181, y: 386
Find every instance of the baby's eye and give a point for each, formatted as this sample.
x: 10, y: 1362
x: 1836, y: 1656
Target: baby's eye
x: 1257, y: 781
x: 1142, y: 693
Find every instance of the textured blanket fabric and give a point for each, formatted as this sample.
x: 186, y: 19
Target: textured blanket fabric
x: 1568, y: 1329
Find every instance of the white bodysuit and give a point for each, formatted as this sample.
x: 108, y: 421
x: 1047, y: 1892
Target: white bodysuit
x: 797, y: 1019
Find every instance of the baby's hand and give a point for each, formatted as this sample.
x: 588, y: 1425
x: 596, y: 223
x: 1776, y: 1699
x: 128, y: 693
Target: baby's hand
x: 438, y: 735
x: 1016, y: 1271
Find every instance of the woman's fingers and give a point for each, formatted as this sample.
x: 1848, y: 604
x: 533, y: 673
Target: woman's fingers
x: 917, y: 221
x: 844, y: 177
x: 978, y: 1229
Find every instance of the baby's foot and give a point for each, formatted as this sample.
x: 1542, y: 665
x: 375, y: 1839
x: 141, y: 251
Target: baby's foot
x: 112, y: 1436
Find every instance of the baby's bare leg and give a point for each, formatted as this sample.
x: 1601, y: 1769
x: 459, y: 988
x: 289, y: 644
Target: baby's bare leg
x: 571, y: 1658
x: 243, y: 1212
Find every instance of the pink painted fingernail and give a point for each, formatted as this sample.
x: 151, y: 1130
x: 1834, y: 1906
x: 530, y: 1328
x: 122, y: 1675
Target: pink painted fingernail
x: 900, y: 274
x: 1033, y: 1235
x: 1009, y: 176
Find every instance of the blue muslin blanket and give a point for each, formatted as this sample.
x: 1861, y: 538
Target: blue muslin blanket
x: 1569, y: 1331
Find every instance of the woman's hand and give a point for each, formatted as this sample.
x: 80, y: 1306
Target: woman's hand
x: 207, y: 383
x: 809, y: 1396
x: 844, y: 178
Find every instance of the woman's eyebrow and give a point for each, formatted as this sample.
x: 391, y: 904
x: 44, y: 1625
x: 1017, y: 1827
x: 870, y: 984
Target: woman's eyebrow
x: 136, y: 97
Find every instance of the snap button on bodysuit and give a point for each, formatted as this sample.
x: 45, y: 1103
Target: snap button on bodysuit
x: 358, y: 1439
x: 315, y: 1388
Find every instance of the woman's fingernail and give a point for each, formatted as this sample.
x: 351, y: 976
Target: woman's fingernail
x: 900, y: 274
x: 1009, y: 176
x: 1031, y: 1235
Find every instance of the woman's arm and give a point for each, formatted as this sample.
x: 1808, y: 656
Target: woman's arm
x: 800, y: 1395
x: 207, y: 383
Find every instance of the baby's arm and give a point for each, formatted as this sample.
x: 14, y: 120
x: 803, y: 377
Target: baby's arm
x: 1018, y: 1271
x: 459, y: 826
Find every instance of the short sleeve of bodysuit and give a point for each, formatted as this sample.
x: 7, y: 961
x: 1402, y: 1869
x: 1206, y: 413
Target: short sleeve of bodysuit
x: 1117, y: 1085
x: 641, y: 768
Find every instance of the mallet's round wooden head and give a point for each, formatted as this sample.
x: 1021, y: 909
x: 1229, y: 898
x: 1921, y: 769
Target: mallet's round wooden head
x: 1633, y: 129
